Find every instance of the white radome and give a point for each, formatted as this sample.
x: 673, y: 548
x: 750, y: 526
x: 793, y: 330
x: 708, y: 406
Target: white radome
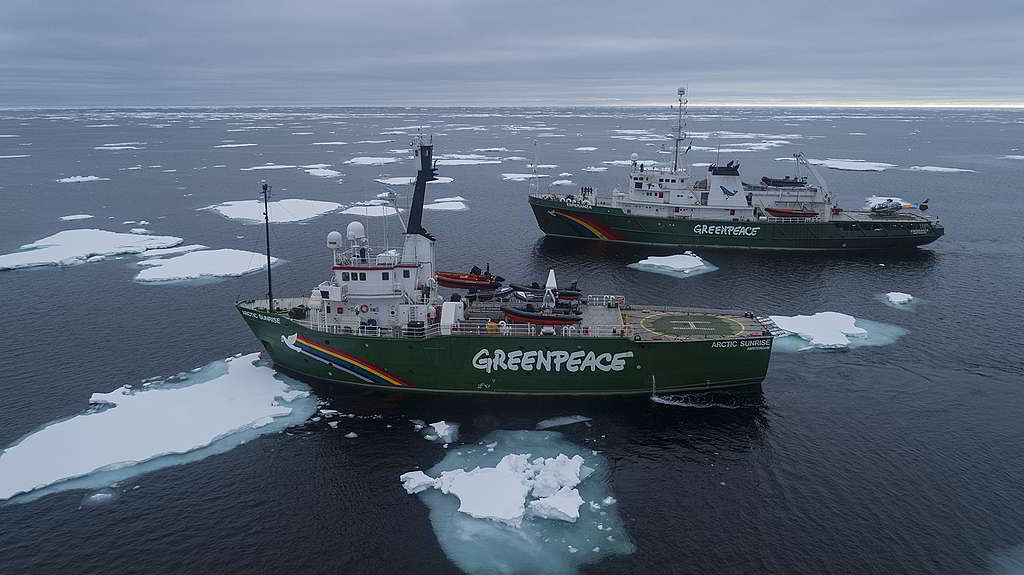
x: 355, y: 231
x: 334, y: 240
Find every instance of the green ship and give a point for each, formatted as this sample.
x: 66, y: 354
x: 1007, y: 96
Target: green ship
x: 667, y: 206
x: 381, y: 321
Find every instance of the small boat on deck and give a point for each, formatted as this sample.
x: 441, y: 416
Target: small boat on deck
x: 529, y: 314
x: 535, y: 291
x: 787, y: 182
x: 476, y: 279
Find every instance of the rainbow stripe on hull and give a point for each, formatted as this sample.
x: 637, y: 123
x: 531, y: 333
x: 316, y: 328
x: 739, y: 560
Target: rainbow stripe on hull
x: 346, y: 362
x: 588, y: 225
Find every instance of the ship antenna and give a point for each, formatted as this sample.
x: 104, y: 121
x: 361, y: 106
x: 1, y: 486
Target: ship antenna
x: 679, y: 128
x: 265, y: 192
x: 531, y: 188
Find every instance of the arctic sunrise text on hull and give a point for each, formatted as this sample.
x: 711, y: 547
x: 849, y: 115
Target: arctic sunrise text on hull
x: 380, y: 321
x: 666, y: 206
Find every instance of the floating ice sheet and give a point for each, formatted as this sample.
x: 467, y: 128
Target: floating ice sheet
x: 833, y: 330
x: 202, y: 264
x: 322, y: 172
x: 446, y: 206
x: 560, y: 421
x: 370, y: 211
x: 281, y: 211
x: 71, y: 247
x: 268, y: 166
x: 563, y: 183
x: 899, y: 297
x: 687, y: 264
x: 595, y: 169
x: 370, y: 161
x: 846, y: 164
x: 76, y: 217
x: 547, y: 540
x: 221, y: 406
x: 522, y: 177
x: 410, y: 180
x: 939, y: 169
x: 80, y: 179
x: 235, y: 145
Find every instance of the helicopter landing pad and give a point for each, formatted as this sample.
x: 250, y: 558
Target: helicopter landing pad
x: 650, y: 324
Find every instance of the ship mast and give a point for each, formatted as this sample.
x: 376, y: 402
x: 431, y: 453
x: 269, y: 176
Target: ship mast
x: 679, y: 137
x: 265, y: 193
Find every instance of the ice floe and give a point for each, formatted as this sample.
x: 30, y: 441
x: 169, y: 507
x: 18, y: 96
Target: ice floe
x: 563, y: 183
x: 466, y: 161
x: 370, y: 210
x: 585, y: 149
x: 687, y: 264
x: 76, y: 217
x: 409, y: 180
x: 939, y: 169
x: 12, y: 156
x: 522, y: 177
x: 267, y: 166
x: 202, y: 264
x: 1007, y: 157
x: 329, y: 143
x: 521, y: 502
x: 235, y: 145
x: 139, y: 231
x: 80, y: 179
x: 446, y: 206
x: 595, y: 169
x: 560, y: 421
x: 833, y: 330
x: 281, y: 211
x: 374, y: 141
x: 441, y: 431
x: 161, y: 424
x: 897, y: 297
x: 846, y: 164
x: 371, y: 161
x: 71, y: 247
x: 173, y: 251
x: 321, y: 172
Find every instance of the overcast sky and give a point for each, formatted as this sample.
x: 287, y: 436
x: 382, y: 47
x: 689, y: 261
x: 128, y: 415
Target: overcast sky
x: 514, y: 52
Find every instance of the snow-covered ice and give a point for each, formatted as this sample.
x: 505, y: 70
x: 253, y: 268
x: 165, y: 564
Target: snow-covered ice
x: 450, y: 199
x: 846, y: 164
x: 329, y: 143
x: 202, y: 264
x: 1007, y: 157
x: 562, y: 183
x: 71, y: 247
x: 441, y: 431
x: 898, y: 297
x: 80, y: 179
x: 585, y: 149
x: 370, y: 210
x: 687, y: 264
x: 137, y: 430
x: 939, y: 169
x: 446, y: 206
x: 563, y: 420
x: 833, y: 330
x: 371, y: 161
x: 281, y: 211
x: 235, y: 145
x: 478, y: 493
x: 76, y: 217
x: 12, y: 156
x: 322, y: 172
x: 595, y: 169
x: 268, y: 166
x: 139, y: 231
x: 173, y: 251
x: 522, y: 177
x: 410, y: 180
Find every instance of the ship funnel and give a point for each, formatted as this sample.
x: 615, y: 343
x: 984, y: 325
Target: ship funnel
x: 334, y: 240
x: 355, y: 232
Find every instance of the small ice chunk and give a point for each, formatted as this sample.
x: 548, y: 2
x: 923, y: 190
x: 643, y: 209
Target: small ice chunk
x: 446, y: 206
x: 938, y: 169
x: 898, y: 297
x: 679, y: 265
x: 563, y: 420
x: 351, y: 435
x: 563, y: 183
x: 563, y: 505
x: 445, y: 432
x: 267, y: 166
x: 371, y: 161
x: 235, y: 145
x: 416, y: 481
x: 585, y: 149
x: 370, y: 211
x: 76, y: 217
x: 521, y: 177
x: 595, y: 169
x: 323, y: 172
x: 335, y: 143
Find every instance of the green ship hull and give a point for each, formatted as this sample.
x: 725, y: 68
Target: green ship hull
x: 847, y: 230
x: 497, y: 364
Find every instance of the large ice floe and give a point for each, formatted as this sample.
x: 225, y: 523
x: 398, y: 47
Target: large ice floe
x: 684, y: 265
x: 73, y: 217
x: 202, y: 264
x: 281, y: 211
x: 371, y: 208
x: 832, y: 330
x: 846, y: 164
x: 370, y: 161
x: 162, y: 423
x: 80, y: 179
x: 71, y: 247
x: 939, y: 169
x: 522, y: 502
x: 522, y: 177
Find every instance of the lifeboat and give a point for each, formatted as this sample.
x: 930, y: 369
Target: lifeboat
x: 520, y: 315
x: 784, y: 213
x: 538, y: 290
x: 786, y: 182
x: 468, y: 281
x: 489, y: 295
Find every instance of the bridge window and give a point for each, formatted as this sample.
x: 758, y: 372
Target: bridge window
x: 639, y: 185
x: 362, y: 276
x: 344, y: 276
x: 385, y: 276
x: 405, y: 274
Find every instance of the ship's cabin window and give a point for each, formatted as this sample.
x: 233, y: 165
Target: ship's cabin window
x: 328, y: 309
x: 405, y: 274
x: 344, y: 276
x: 362, y: 276
x: 638, y: 185
x: 385, y: 276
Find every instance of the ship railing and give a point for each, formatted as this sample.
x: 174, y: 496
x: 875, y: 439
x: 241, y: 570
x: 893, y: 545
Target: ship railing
x: 771, y: 326
x: 280, y: 303
x: 817, y: 219
x: 374, y: 256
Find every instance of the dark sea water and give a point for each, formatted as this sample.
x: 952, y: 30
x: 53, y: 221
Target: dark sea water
x: 901, y: 458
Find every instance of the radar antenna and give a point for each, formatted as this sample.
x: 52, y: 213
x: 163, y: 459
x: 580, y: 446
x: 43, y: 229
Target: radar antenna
x: 680, y: 135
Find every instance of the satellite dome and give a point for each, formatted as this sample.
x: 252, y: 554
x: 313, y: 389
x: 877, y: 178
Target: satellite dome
x: 334, y: 240
x: 355, y: 231
x: 634, y: 157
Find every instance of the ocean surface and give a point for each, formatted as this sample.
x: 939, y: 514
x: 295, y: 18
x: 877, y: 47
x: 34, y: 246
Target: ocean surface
x: 905, y: 457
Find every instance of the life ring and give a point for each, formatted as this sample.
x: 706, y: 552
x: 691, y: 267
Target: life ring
x: 364, y: 308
